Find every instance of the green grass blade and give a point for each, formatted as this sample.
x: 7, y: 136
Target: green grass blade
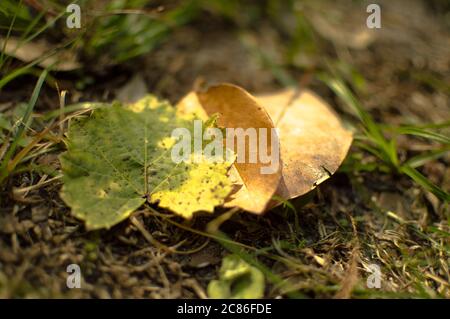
x: 372, y: 129
x: 37, y: 89
x: 7, y: 36
x: 424, y: 158
x: 425, y: 183
x: 441, y: 125
x: 415, y: 131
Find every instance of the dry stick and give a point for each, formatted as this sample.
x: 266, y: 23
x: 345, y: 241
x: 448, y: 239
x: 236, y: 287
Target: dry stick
x: 38, y: 185
x: 5, y: 146
x: 160, y: 245
x: 351, y: 279
x: 148, y: 236
x: 199, y: 232
x: 62, y: 104
x: 192, y: 283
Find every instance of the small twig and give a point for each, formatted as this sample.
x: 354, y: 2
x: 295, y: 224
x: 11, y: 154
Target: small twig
x: 158, y: 244
x: 147, y: 234
x: 37, y: 186
x: 62, y: 104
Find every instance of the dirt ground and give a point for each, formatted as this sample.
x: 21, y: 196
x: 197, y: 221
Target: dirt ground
x: 351, y: 221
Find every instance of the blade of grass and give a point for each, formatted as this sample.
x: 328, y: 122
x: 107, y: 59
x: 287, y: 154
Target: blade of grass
x: 425, y: 183
x: 424, y: 158
x: 372, y: 129
x: 7, y: 36
x: 43, y: 28
x: 415, y: 131
x: 441, y: 125
x: 384, y: 149
x: 10, y: 152
x: 27, y: 69
x: 25, y: 32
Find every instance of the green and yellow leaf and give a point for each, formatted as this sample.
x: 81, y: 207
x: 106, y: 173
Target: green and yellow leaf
x: 120, y: 157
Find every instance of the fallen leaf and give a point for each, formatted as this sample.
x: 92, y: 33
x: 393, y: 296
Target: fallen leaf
x: 119, y: 157
x: 62, y: 60
x: 237, y: 280
x: 236, y: 108
x: 313, y: 141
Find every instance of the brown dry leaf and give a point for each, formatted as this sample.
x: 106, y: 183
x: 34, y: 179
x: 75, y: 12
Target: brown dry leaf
x: 313, y: 142
x: 238, y: 109
x: 63, y: 60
